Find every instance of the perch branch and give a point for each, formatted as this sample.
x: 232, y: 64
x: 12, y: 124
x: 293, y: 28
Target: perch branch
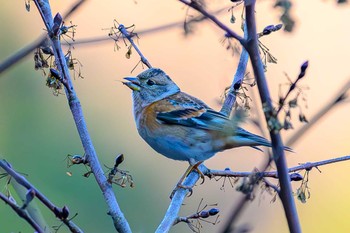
x: 274, y: 174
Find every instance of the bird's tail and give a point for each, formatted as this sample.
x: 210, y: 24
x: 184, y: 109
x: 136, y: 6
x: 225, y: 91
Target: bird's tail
x: 245, y: 138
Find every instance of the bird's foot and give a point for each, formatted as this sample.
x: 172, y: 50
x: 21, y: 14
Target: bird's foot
x: 180, y: 185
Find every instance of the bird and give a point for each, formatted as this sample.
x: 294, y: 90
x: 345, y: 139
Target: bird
x: 180, y: 126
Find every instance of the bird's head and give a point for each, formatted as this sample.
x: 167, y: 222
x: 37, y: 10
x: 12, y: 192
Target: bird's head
x: 151, y: 85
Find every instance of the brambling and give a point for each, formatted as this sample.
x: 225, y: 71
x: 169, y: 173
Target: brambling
x: 180, y: 126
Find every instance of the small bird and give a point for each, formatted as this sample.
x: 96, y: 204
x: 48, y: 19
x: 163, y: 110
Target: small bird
x: 180, y: 126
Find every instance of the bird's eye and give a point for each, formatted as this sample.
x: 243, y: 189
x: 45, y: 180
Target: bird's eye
x: 150, y: 82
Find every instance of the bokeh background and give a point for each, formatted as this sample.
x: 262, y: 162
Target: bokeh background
x: 37, y: 130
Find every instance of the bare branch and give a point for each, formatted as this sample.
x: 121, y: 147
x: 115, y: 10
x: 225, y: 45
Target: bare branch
x: 53, y: 28
x: 59, y: 212
x: 229, y: 32
x: 22, y: 53
x: 339, y: 98
x: 277, y: 144
x: 237, y: 80
x: 22, y: 213
x: 172, y: 212
x: 128, y: 36
x: 293, y: 85
x: 274, y: 174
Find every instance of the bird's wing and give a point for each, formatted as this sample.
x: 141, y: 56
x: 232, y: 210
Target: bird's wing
x: 192, y: 112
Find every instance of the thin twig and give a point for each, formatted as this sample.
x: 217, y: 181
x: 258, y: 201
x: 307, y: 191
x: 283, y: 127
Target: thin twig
x: 22, y: 213
x: 56, y: 210
x: 24, y: 52
x: 229, y: 32
x: 115, y: 212
x: 128, y: 36
x: 292, y: 86
x: 274, y: 174
x: 242, y: 201
x: 339, y: 98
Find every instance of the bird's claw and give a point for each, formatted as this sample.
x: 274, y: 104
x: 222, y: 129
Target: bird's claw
x: 181, y: 186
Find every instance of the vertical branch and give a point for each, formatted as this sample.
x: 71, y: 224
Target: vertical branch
x: 286, y: 194
x: 237, y: 79
x: 53, y: 28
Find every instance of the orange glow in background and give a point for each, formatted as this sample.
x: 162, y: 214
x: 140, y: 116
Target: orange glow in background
x: 36, y: 135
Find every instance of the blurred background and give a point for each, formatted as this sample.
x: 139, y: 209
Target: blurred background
x: 37, y: 130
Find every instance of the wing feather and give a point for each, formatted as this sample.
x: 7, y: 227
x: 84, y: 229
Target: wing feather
x: 192, y: 112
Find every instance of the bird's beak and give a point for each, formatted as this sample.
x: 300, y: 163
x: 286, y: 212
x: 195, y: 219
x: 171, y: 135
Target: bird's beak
x: 133, y: 84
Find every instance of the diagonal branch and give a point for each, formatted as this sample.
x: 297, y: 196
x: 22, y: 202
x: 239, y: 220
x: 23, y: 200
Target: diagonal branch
x: 56, y: 210
x: 172, y: 212
x: 229, y: 32
x: 21, y: 54
x: 129, y: 36
x: 22, y: 213
x: 339, y: 98
x: 53, y: 29
x: 25, y: 51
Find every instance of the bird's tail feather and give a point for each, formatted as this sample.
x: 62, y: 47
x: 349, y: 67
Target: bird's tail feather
x: 253, y: 140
